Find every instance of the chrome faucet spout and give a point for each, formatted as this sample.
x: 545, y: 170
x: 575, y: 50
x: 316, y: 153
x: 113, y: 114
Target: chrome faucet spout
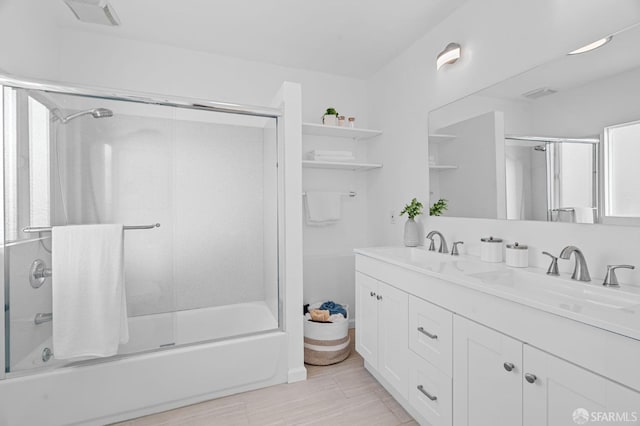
x: 443, y: 243
x: 580, y: 270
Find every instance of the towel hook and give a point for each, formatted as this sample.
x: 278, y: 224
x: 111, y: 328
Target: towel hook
x: 38, y: 273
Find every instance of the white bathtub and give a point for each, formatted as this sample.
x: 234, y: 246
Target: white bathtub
x: 244, y: 351
x: 150, y: 332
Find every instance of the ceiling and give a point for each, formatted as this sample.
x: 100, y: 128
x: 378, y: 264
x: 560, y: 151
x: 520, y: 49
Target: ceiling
x: 352, y: 38
x: 572, y: 71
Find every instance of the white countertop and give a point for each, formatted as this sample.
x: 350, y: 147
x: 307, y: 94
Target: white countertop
x: 613, y: 309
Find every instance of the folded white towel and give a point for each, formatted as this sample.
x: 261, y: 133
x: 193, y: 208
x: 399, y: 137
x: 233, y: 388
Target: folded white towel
x: 335, y: 159
x: 324, y: 155
x: 89, y: 303
x: 583, y: 214
x: 327, y: 153
x: 323, y: 208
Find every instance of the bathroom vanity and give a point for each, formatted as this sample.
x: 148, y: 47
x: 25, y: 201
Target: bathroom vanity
x: 458, y: 341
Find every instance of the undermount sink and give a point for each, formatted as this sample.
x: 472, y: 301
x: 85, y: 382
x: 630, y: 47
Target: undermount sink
x: 414, y: 255
x: 571, y: 295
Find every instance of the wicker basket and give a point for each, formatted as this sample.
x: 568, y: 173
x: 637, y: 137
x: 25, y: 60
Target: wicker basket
x: 326, y: 343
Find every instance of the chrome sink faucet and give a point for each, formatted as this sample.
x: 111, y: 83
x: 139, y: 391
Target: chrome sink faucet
x: 443, y: 244
x: 580, y: 271
x: 611, y: 280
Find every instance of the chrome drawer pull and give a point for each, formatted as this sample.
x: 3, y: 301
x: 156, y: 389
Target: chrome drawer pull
x: 426, y: 333
x: 531, y: 378
x: 431, y: 397
x: 509, y: 366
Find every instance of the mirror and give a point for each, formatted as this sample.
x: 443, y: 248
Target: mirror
x: 560, y: 142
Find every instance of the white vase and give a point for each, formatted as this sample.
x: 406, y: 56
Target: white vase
x: 411, y: 233
x: 329, y: 120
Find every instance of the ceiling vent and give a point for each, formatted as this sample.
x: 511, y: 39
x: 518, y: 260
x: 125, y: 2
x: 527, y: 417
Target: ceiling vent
x: 538, y: 93
x: 94, y: 11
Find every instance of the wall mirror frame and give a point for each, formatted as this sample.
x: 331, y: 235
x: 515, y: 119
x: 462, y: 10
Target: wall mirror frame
x: 559, y: 142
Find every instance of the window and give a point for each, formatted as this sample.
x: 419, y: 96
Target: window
x: 622, y: 170
x: 39, y: 165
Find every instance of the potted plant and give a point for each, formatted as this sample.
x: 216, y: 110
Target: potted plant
x: 330, y: 117
x: 411, y: 231
x: 438, y: 207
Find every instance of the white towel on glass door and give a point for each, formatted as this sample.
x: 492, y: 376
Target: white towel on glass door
x: 583, y: 214
x: 89, y: 303
x: 323, y: 208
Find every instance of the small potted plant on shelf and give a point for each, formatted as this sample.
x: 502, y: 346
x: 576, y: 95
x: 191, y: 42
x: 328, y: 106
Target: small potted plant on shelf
x: 330, y: 117
x: 438, y: 207
x: 411, y: 231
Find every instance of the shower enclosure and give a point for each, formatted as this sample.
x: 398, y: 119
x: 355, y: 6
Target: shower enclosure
x: 552, y: 179
x: 199, y: 189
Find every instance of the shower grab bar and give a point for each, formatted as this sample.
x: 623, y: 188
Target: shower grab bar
x: 344, y: 194
x: 30, y: 229
x: 42, y: 318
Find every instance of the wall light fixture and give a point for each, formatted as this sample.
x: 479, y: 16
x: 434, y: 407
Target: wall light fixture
x: 449, y: 55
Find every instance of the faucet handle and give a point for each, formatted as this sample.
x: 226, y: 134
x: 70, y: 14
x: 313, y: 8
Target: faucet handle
x: 553, y: 267
x: 611, y: 280
x: 432, y: 244
x: 454, y: 250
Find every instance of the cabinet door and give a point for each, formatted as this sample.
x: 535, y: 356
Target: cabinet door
x: 563, y: 394
x: 367, y: 318
x: 484, y: 391
x: 393, y: 346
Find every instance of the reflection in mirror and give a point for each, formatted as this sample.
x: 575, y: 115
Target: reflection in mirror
x: 560, y: 142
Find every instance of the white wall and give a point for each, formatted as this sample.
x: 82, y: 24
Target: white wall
x: 473, y: 151
x: 494, y: 48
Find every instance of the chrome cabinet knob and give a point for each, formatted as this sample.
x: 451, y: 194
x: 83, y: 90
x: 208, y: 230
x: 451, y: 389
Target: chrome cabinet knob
x: 531, y: 378
x: 372, y: 294
x: 379, y: 297
x: 508, y: 366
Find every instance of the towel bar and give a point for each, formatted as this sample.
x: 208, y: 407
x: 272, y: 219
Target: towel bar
x: 344, y: 194
x: 42, y: 318
x: 30, y: 229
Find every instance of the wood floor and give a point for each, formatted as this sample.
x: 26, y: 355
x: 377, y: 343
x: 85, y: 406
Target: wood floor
x: 341, y: 394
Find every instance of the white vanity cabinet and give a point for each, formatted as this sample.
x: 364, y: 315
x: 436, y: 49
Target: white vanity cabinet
x: 382, y: 338
x: 453, y: 355
x: 499, y: 379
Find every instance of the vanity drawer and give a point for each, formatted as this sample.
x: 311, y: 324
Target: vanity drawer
x: 430, y: 392
x: 431, y: 333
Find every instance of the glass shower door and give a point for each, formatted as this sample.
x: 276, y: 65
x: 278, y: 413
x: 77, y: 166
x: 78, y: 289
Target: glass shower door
x: 208, y: 272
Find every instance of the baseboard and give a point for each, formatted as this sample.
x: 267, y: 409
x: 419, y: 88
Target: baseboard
x: 297, y: 375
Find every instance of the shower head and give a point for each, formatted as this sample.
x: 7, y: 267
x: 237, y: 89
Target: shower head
x: 95, y: 113
x: 101, y: 113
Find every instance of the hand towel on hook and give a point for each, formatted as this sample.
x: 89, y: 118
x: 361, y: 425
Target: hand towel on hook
x: 89, y: 302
